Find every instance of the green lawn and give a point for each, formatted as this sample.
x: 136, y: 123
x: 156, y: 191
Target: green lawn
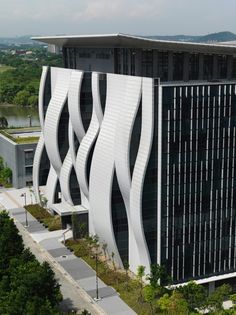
x: 4, y: 68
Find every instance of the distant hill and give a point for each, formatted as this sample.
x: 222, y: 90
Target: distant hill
x: 215, y: 37
x: 18, y: 41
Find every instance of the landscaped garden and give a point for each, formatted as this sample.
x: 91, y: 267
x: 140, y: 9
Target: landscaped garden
x: 53, y: 223
x: 155, y: 295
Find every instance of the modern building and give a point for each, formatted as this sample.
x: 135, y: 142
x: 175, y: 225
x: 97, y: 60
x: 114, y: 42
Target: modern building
x: 139, y: 135
x: 17, y: 148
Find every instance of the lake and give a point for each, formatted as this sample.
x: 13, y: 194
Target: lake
x: 18, y: 116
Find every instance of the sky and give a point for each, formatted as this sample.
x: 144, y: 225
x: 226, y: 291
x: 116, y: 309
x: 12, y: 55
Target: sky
x: 137, y: 17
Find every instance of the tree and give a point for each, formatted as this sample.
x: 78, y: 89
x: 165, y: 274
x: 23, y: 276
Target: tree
x: 33, y: 100
x: 3, y: 122
x: 104, y: 248
x: 21, y: 98
x: 11, y: 244
x: 216, y: 298
x: 149, y: 296
x: 113, y: 260
x: 75, y: 225
x: 126, y: 267
x: 26, y: 286
x: 174, y: 304
x: 194, y: 294
x: 1, y: 163
x: 158, y: 276
x: 6, y: 174
x: 140, y: 275
x: 32, y: 289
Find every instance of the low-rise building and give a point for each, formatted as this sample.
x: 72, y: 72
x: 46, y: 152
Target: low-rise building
x: 17, y: 148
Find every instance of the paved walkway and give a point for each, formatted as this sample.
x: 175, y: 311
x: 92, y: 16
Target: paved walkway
x: 75, y: 268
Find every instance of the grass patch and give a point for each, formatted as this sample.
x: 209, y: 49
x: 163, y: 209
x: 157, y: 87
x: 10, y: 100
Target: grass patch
x: 19, y: 140
x: 111, y: 277
x: 53, y: 223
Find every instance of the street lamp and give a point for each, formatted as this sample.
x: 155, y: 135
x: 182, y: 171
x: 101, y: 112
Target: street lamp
x: 26, y: 217
x: 30, y: 122
x: 97, y: 298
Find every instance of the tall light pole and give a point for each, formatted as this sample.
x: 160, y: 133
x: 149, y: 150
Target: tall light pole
x: 26, y: 217
x: 97, y: 298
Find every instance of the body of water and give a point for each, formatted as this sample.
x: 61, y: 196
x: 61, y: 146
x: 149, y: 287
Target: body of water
x: 18, y: 116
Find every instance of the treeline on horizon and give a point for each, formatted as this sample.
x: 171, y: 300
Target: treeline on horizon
x: 20, y: 82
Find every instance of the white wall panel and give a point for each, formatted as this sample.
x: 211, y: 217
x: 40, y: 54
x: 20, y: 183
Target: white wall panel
x: 65, y: 178
x: 36, y: 167
x: 52, y: 119
x: 74, y: 103
x: 90, y: 136
x: 138, y: 178
x: 128, y: 106
x: 103, y: 166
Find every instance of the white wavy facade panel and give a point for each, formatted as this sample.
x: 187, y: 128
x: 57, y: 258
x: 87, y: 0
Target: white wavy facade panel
x: 40, y: 145
x: 36, y: 167
x: 53, y: 115
x: 74, y: 103
x: 109, y: 136
x: 139, y: 172
x: 103, y: 167
x: 65, y: 178
x: 89, y: 138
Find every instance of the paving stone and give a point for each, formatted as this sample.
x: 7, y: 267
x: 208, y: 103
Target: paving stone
x: 77, y: 268
x: 102, y: 292
x: 57, y: 252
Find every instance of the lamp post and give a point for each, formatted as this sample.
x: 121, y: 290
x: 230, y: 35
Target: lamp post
x: 26, y: 217
x: 30, y: 122
x: 97, y: 298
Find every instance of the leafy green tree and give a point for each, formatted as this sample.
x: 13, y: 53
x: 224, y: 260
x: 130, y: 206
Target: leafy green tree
x: 6, y: 174
x: 104, y: 248
x: 3, y: 122
x: 216, y: 298
x: 149, y: 296
x: 1, y: 163
x: 194, y: 294
x: 158, y: 276
x: 33, y: 100
x: 11, y: 244
x: 30, y: 288
x: 174, y: 304
x: 140, y: 275
x: 21, y: 98
x: 126, y: 267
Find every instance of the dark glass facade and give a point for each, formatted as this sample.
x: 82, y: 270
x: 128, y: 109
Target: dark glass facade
x: 162, y: 66
x: 198, y: 236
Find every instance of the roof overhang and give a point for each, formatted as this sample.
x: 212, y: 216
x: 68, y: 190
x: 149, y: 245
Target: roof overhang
x: 64, y: 209
x: 129, y: 41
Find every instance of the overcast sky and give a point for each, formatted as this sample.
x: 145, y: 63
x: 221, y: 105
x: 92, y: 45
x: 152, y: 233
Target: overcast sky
x: 144, y: 17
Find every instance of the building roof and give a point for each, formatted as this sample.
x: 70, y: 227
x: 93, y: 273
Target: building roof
x: 130, y: 41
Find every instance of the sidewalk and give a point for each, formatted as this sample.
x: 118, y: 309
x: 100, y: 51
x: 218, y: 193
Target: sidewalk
x: 79, y: 271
